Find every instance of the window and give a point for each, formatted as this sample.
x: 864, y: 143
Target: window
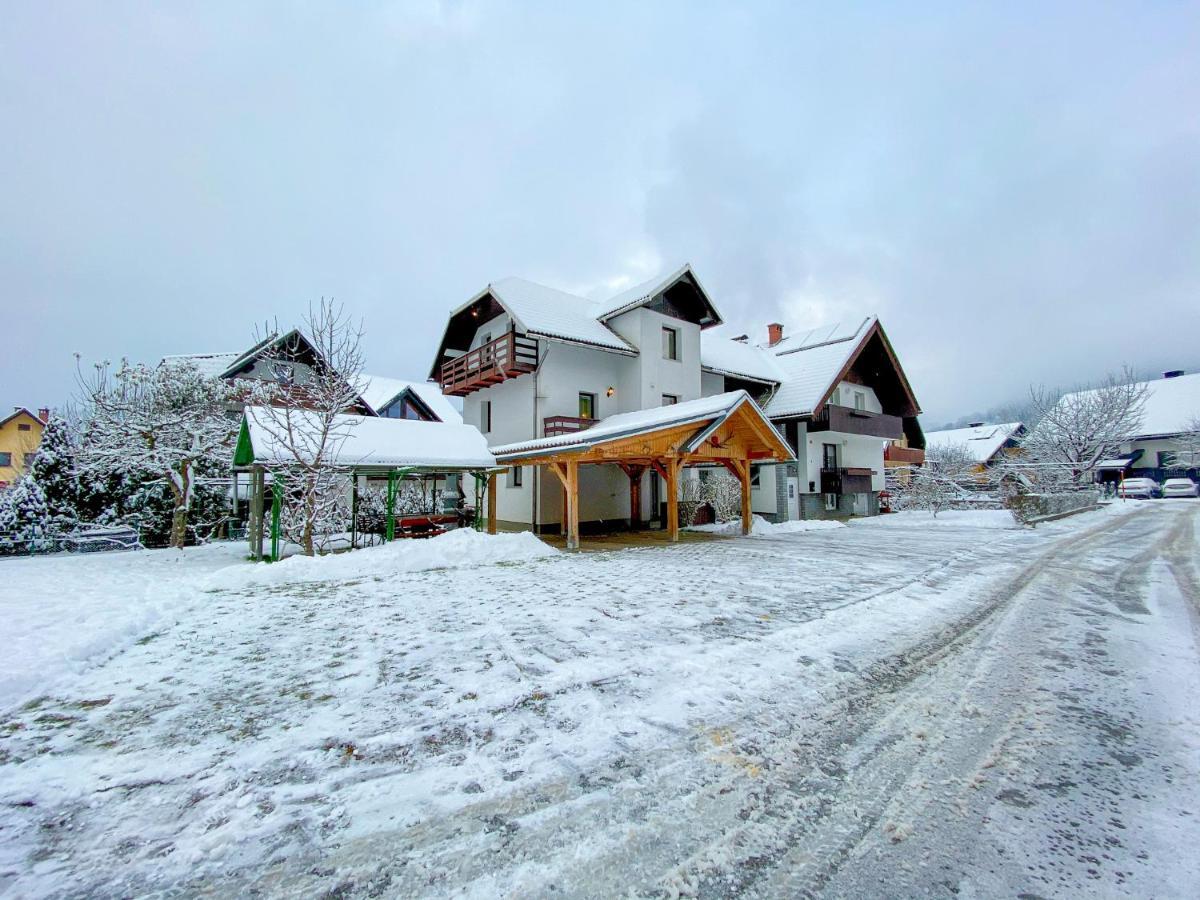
x: 5, y: 459
x: 587, y: 405
x: 1167, y: 459
x: 284, y: 373
x: 515, y: 476
x: 485, y: 416
x: 829, y: 458
x: 830, y: 502
x: 756, y: 476
x: 670, y: 339
x: 860, y: 401
x: 485, y: 338
x: 669, y: 400
x: 24, y: 426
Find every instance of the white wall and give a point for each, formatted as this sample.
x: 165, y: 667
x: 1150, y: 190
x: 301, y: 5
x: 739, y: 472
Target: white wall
x: 656, y: 376
x: 843, y: 395
x: 854, y: 451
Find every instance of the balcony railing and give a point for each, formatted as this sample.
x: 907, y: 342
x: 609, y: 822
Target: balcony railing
x: 904, y: 456
x: 850, y: 480
x: 553, y: 426
x: 508, y: 356
x: 857, y: 421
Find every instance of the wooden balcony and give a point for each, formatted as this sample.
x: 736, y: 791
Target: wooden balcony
x: 904, y: 456
x: 857, y: 421
x: 553, y: 426
x: 851, y: 480
x: 506, y: 357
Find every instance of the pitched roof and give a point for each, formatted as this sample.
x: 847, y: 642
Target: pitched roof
x: 811, y: 365
x: 633, y: 297
x: 371, y: 442
x: 379, y: 392
x: 981, y: 442
x: 738, y: 359
x: 1171, y: 405
x: 17, y: 412
x: 552, y: 313
x: 640, y: 421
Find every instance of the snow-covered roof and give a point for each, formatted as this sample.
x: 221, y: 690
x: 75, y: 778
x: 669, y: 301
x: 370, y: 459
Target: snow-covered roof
x: 638, y: 422
x: 633, y: 297
x: 1171, y: 404
x: 371, y: 442
x: 210, y: 365
x: 18, y: 411
x: 810, y: 367
x: 737, y: 358
x: 379, y: 392
x: 982, y: 442
x: 552, y: 313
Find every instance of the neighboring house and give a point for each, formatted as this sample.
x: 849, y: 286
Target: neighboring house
x: 985, y: 444
x: 532, y: 362
x: 394, y: 398
x: 285, y: 359
x: 20, y: 435
x: 1163, y: 445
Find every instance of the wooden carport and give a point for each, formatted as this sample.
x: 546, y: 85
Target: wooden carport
x: 729, y: 430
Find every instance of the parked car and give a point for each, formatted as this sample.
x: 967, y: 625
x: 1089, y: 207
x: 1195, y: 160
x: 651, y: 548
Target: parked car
x: 1140, y: 488
x: 1180, y: 487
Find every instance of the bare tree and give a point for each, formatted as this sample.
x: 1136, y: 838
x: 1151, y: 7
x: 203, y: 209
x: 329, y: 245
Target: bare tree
x: 1189, y: 444
x: 1076, y: 431
x: 950, y: 476
x: 160, y: 423
x: 303, y: 411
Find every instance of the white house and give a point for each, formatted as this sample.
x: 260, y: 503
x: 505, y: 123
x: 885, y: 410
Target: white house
x: 532, y: 362
x: 1164, y: 444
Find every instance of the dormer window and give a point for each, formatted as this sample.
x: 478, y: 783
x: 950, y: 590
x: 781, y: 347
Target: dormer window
x: 670, y: 343
x: 860, y: 401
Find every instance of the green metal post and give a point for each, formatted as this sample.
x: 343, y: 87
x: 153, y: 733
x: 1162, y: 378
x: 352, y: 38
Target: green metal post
x: 276, y: 504
x: 391, y: 505
x: 353, y: 510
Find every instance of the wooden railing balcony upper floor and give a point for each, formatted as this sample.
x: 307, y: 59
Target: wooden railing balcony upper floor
x: 857, y: 421
x: 553, y: 426
x: 506, y: 357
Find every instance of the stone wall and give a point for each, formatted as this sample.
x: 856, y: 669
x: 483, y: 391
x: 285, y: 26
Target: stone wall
x: 1029, y: 509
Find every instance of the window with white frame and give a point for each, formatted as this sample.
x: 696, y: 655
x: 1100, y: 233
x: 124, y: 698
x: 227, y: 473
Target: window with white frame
x: 669, y: 399
x: 860, y: 401
x: 515, y: 476
x: 756, y: 476
x: 485, y: 416
x: 670, y: 343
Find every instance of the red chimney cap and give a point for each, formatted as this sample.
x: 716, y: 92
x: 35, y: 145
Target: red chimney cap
x: 774, y: 333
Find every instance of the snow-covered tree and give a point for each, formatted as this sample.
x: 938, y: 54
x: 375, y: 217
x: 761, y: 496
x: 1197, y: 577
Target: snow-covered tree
x: 165, y: 424
x: 53, y: 468
x: 304, y: 417
x: 1188, y: 454
x: 1076, y: 431
x: 23, y: 516
x: 949, y: 476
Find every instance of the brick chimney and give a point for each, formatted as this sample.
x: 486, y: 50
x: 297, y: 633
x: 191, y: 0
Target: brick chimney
x: 44, y: 414
x: 774, y: 334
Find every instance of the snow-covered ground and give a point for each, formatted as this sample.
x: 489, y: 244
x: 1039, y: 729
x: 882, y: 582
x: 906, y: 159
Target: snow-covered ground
x: 887, y: 707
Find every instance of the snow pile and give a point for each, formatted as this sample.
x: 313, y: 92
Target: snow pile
x: 457, y: 549
x: 760, y: 527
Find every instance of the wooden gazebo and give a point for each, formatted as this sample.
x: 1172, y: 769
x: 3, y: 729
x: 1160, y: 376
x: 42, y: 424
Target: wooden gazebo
x: 729, y: 430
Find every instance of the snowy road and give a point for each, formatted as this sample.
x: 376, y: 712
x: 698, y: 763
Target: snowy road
x: 898, y: 707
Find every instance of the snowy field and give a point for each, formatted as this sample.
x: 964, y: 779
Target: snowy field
x: 903, y: 705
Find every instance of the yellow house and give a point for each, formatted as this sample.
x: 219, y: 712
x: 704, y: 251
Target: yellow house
x: 20, y: 435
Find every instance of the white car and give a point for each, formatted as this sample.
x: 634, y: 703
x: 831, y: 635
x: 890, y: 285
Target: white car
x: 1140, y: 488
x: 1180, y: 487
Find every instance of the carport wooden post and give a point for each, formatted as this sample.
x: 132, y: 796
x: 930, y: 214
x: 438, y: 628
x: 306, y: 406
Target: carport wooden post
x: 743, y: 467
x: 672, y: 467
x: 491, y: 502
x: 572, y: 505
x: 635, y: 473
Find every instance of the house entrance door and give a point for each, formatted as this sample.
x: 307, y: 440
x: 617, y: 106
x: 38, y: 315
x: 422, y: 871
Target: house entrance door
x: 793, y: 497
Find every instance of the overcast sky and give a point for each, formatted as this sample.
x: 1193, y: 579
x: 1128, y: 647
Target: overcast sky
x: 1015, y: 191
